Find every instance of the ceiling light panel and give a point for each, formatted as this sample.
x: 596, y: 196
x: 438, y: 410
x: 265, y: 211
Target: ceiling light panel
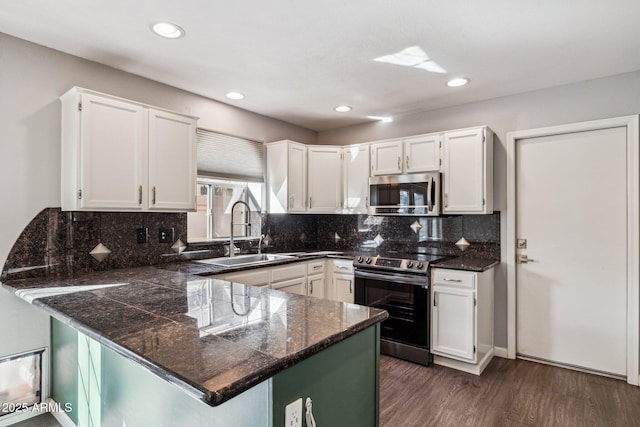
x: 414, y: 57
x: 457, y: 82
x: 342, y: 108
x: 234, y: 95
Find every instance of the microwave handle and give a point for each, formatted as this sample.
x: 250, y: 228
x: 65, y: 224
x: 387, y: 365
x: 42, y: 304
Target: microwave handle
x: 429, y: 192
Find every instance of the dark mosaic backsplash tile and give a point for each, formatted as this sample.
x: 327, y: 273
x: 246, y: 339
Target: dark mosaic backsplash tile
x: 58, y: 243
x: 386, y: 234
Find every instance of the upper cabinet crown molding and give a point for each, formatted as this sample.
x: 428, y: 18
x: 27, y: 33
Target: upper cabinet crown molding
x: 120, y: 155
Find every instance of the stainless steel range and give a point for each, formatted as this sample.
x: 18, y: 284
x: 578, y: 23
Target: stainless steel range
x: 400, y: 286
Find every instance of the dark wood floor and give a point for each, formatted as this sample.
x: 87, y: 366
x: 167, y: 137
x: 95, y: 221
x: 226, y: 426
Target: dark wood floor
x: 508, y: 393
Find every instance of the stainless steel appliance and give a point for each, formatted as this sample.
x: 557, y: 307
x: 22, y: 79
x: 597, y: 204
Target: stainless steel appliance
x: 414, y: 194
x: 400, y: 286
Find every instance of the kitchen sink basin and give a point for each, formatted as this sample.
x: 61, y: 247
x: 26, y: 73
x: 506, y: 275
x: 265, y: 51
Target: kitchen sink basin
x: 245, y: 259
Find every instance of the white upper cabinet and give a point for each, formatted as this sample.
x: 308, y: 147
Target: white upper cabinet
x: 106, y: 149
x: 286, y: 177
x: 411, y: 155
x: 422, y: 153
x: 325, y: 178
x: 356, y: 178
x: 386, y: 157
x: 172, y: 161
x: 468, y: 171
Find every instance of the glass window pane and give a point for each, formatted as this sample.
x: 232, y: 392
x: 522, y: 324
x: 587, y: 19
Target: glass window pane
x: 20, y: 382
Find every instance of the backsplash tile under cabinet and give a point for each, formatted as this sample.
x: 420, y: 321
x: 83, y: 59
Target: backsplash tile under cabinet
x: 58, y: 243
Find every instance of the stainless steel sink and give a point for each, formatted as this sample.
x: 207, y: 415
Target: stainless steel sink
x: 245, y: 259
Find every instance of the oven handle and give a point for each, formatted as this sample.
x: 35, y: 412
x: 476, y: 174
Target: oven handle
x: 397, y: 278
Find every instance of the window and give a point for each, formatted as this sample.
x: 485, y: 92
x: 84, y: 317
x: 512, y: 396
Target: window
x: 230, y: 169
x: 215, y: 198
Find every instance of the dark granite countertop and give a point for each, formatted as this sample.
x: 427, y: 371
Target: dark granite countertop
x: 468, y: 264
x: 213, y: 338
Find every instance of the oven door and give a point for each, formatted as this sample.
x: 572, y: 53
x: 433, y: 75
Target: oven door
x: 405, y: 297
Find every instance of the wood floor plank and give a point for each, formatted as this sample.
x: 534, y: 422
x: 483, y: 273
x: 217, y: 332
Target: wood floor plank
x: 514, y: 393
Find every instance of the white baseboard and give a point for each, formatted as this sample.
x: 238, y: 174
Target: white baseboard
x: 61, y: 416
x: 500, y: 352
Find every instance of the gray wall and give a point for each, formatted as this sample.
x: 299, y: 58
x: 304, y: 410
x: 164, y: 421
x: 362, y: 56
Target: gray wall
x: 595, y: 99
x: 32, y: 78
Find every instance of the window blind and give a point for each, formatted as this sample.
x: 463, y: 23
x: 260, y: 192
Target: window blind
x: 226, y: 156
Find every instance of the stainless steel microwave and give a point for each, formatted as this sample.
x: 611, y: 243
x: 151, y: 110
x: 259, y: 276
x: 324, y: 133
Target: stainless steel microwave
x: 414, y: 194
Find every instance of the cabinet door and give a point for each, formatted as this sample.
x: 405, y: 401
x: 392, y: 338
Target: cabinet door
x: 295, y: 286
x: 113, y: 153
x: 260, y: 277
x: 386, y: 158
x: 343, y: 287
x: 464, y: 171
x: 315, y: 286
x: 422, y: 154
x: 453, y: 323
x: 172, y: 161
x: 325, y: 178
x: 356, y: 173
x: 297, y: 177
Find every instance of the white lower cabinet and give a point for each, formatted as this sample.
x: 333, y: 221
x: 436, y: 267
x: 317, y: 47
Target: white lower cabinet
x: 260, y: 277
x: 462, y: 319
x: 343, y: 281
x: 315, y: 279
x: 295, y: 286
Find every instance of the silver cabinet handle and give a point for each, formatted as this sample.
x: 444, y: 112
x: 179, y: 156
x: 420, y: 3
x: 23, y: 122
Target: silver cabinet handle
x: 311, y: 287
x: 366, y: 202
x: 399, y: 162
x: 446, y: 279
x: 140, y: 195
x: 309, y: 202
x: 342, y: 267
x: 315, y: 267
x: 446, y: 202
x: 350, y: 286
x: 153, y: 200
x: 407, y: 162
x: 291, y: 201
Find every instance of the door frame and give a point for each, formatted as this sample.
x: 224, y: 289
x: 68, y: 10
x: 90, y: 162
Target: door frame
x: 633, y: 226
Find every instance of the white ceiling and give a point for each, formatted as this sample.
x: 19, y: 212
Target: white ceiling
x: 297, y: 59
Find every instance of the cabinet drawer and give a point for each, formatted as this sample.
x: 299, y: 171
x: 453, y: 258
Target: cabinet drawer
x: 343, y: 266
x: 289, y: 272
x: 315, y: 267
x: 462, y: 279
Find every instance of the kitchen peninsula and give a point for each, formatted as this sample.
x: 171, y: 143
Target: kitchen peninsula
x: 150, y: 346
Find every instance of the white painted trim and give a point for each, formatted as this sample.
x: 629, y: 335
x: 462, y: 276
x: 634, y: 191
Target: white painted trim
x: 500, y: 352
x: 633, y: 224
x: 471, y: 368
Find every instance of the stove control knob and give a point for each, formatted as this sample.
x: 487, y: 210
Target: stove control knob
x: 360, y: 259
x: 410, y: 264
x: 368, y: 260
x: 419, y: 266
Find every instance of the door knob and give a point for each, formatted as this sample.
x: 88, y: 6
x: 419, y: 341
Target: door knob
x: 523, y: 259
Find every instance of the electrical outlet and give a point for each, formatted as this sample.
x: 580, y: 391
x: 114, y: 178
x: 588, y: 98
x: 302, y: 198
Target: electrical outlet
x: 293, y: 414
x: 142, y: 235
x: 165, y: 235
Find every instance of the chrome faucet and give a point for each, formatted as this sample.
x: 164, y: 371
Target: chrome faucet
x: 246, y: 224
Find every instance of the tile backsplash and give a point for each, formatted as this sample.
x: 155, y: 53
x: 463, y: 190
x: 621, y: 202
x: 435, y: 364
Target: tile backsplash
x: 58, y: 243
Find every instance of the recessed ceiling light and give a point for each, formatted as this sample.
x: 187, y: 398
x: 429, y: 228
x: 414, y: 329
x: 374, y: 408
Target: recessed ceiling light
x: 457, y: 82
x: 167, y: 30
x: 234, y: 95
x: 342, y: 108
x: 414, y: 57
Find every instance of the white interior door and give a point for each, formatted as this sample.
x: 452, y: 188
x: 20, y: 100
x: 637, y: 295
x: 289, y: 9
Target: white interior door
x: 571, y: 207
